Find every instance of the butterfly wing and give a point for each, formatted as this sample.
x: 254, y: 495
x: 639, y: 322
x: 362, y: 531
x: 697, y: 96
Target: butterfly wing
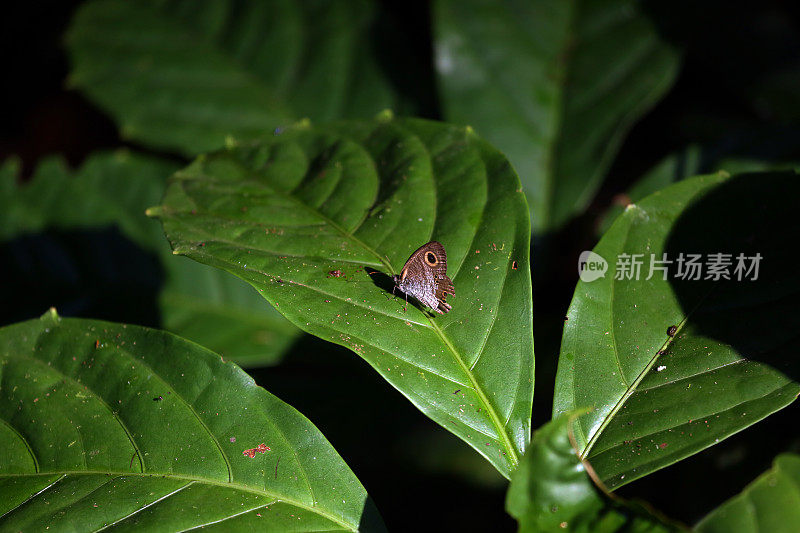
x: 424, y: 276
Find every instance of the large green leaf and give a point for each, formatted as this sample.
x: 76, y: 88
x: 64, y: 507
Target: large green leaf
x: 552, y: 491
x: 305, y: 215
x: 204, y: 304
x: 770, y: 503
x: 661, y: 393
x: 104, y: 424
x: 554, y: 84
x: 184, y: 75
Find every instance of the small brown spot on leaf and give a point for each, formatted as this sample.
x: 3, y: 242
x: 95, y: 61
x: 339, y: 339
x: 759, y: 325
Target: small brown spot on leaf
x: 251, y: 452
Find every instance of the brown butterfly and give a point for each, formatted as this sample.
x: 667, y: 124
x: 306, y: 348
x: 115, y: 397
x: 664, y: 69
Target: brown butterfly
x: 424, y: 277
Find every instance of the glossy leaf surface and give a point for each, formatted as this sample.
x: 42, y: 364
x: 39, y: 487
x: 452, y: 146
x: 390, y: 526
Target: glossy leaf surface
x: 203, y: 304
x: 551, y: 491
x: 185, y: 75
x: 318, y: 218
x: 554, y: 84
x: 770, y: 503
x: 107, y: 425
x: 672, y: 366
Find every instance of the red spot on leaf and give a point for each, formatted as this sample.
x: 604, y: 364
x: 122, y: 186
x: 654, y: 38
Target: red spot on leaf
x: 261, y: 448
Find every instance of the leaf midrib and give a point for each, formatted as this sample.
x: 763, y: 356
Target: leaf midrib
x: 488, y: 406
x: 706, y: 415
x: 189, y: 479
x: 632, y: 388
x: 564, y: 56
x: 504, y: 438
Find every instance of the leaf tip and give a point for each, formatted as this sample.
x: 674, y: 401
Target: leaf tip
x: 51, y: 315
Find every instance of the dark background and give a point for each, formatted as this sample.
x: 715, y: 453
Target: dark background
x: 420, y: 476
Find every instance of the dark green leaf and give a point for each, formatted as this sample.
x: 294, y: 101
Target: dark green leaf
x: 185, y: 75
x: 105, y: 424
x: 217, y: 310
x: 669, y: 170
x: 555, y: 85
x: 203, y: 304
x: 771, y: 503
x: 661, y: 393
x: 681, y: 165
x: 306, y: 215
x: 551, y: 491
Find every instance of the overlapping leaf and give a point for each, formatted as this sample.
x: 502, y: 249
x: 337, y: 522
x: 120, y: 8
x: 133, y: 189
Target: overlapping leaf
x: 184, y: 75
x: 673, y: 366
x: 111, y: 426
x: 554, y: 84
x: 672, y: 168
x: 770, y: 503
x: 203, y: 304
x: 308, y: 215
x: 681, y: 165
x: 552, y: 491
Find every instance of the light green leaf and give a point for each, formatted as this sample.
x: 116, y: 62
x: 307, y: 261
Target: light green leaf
x: 552, y: 491
x: 770, y: 503
x: 203, y: 304
x: 554, y: 84
x: 674, y: 366
x: 305, y: 215
x: 106, y: 424
x: 185, y: 75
